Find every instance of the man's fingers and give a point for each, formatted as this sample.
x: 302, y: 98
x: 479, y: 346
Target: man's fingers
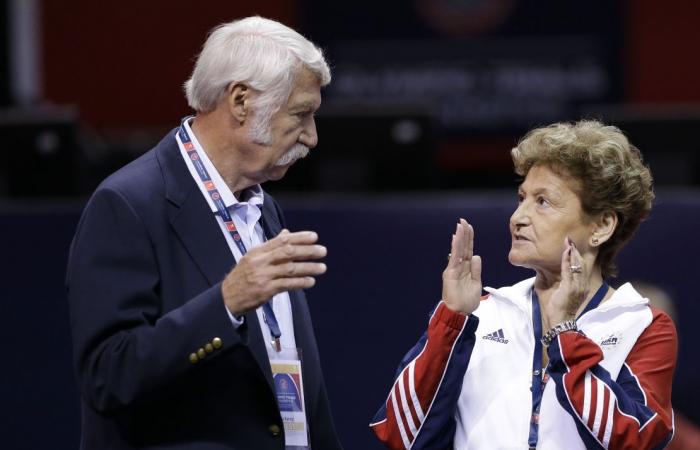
x: 296, y: 252
x: 297, y: 269
x: 290, y: 284
x: 296, y: 238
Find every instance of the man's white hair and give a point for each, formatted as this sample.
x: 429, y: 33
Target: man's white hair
x: 261, y: 53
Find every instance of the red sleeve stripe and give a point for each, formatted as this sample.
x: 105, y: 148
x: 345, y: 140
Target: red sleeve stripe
x: 600, y: 410
x: 418, y: 383
x: 607, y: 426
x: 403, y: 416
x: 631, y: 411
x: 412, y: 389
x: 408, y: 414
x: 400, y: 421
x: 594, y: 411
x: 591, y: 411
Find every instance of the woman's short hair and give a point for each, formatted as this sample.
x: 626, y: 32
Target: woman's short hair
x: 610, y: 172
x: 262, y: 53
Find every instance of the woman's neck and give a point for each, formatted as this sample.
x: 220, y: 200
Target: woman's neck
x: 546, y: 283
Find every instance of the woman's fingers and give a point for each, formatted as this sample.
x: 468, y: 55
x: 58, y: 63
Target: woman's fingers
x: 452, y: 259
x: 469, y: 235
x: 461, y: 288
x: 579, y: 273
x: 457, y: 249
x: 566, y: 272
x: 476, y: 268
x: 462, y: 248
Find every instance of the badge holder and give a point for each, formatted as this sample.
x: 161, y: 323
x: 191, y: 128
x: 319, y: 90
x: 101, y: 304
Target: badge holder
x: 289, y: 389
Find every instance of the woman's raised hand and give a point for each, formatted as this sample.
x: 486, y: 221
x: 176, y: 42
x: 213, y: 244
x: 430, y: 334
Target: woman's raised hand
x: 461, y: 279
x: 573, y: 288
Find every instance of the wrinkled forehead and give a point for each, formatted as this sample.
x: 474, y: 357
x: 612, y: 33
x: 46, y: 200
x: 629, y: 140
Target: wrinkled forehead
x: 306, y: 91
x: 551, y: 177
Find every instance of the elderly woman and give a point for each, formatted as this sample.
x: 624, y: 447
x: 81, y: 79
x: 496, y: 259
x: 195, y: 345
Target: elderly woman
x: 560, y: 360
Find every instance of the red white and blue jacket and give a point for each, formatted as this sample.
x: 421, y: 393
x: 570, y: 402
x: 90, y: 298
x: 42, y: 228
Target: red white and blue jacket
x: 467, y: 383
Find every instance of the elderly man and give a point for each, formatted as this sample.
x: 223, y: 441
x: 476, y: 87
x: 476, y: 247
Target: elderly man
x: 173, y: 348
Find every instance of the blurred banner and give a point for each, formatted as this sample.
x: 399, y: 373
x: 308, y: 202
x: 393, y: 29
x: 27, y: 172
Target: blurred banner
x: 426, y: 94
x: 481, y: 73
x: 477, y: 66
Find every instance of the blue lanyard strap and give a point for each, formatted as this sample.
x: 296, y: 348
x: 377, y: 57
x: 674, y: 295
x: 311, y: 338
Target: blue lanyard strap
x: 271, y: 322
x: 539, y: 375
x: 209, y: 185
x: 537, y: 384
x: 222, y: 210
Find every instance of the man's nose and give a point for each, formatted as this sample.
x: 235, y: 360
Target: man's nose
x: 309, y: 136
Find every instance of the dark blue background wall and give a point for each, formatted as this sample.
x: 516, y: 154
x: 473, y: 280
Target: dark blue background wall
x: 386, y: 255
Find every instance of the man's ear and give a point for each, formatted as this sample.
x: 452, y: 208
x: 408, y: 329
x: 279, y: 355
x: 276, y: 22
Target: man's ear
x: 603, y: 228
x: 239, y: 96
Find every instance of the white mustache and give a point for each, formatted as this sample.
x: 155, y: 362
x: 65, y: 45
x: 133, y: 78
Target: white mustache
x: 297, y: 152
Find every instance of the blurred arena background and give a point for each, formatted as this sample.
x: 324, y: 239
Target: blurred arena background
x: 427, y: 98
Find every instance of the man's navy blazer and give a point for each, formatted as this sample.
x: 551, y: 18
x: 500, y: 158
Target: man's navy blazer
x: 144, y: 286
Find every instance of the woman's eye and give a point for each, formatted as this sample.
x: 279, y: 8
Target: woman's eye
x: 542, y: 201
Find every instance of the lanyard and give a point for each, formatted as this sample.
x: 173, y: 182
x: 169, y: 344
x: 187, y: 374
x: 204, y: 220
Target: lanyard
x: 222, y: 210
x: 539, y: 375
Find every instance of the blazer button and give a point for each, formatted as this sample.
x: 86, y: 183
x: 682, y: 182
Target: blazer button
x: 201, y: 353
x: 194, y: 358
x: 274, y: 429
x: 208, y: 348
x: 216, y: 342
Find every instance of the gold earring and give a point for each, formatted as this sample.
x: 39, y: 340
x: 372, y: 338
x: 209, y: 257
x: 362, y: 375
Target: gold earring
x: 594, y: 241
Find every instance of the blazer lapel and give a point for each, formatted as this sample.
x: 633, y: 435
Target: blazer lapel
x: 270, y: 219
x: 190, y: 215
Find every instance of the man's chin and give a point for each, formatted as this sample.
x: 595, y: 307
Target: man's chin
x: 278, y: 172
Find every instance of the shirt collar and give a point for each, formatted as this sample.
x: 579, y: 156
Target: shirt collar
x: 255, y: 192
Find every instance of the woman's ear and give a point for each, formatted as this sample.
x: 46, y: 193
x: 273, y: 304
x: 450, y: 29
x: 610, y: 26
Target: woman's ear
x: 603, y: 228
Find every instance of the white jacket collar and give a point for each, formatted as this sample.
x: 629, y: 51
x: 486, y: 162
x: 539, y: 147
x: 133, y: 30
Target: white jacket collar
x: 624, y: 296
x: 519, y: 295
